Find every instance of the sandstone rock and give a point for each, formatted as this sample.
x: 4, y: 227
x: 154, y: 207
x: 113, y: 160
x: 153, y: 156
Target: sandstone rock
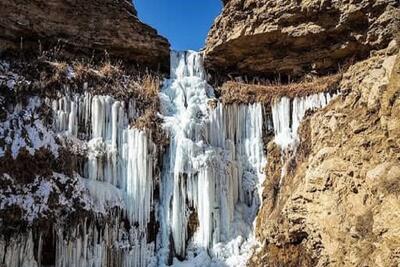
x: 340, y: 206
x: 266, y: 37
x: 83, y: 27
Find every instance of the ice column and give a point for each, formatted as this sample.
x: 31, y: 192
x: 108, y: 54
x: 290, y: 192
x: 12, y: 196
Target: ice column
x: 288, y: 113
x: 140, y: 158
x: 18, y: 251
x: 108, y: 123
x: 214, y: 162
x: 119, y: 156
x: 101, y: 121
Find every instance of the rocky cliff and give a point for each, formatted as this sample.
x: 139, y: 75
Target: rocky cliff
x: 84, y: 28
x: 75, y: 103
x: 103, y: 165
x: 293, y: 38
x: 332, y: 198
x: 335, y: 201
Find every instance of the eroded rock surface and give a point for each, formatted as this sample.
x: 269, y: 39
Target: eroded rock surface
x: 82, y: 26
x: 267, y: 37
x: 338, y: 203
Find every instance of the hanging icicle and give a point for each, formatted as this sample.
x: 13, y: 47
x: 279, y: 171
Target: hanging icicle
x: 19, y: 251
x: 121, y: 157
x: 288, y: 113
x: 214, y: 164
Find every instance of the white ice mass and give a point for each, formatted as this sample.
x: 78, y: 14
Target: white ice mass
x: 121, y: 161
x: 213, y: 168
x: 208, y: 191
x: 288, y: 114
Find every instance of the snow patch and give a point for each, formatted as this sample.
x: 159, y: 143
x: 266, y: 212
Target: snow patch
x: 23, y: 128
x: 33, y: 198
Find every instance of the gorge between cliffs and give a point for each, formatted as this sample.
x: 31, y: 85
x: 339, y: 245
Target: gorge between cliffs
x: 278, y: 144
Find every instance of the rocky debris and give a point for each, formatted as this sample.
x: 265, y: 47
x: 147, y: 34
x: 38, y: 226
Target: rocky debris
x: 339, y: 205
x: 291, y: 38
x: 83, y: 27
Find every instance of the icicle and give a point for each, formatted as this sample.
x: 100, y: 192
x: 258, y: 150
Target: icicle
x: 18, y: 251
x: 214, y: 162
x: 72, y: 123
x: 288, y: 113
x: 120, y: 157
x: 87, y: 245
x: 140, y: 155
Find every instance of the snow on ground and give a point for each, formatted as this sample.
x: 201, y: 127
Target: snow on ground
x: 69, y: 192
x: 9, y: 78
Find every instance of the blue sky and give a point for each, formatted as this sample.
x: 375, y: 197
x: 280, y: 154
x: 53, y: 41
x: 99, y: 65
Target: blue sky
x: 184, y: 22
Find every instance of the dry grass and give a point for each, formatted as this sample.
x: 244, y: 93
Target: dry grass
x: 49, y: 73
x: 81, y: 70
x: 107, y: 69
x: 150, y: 122
x: 60, y: 70
x: 150, y: 84
x: 236, y: 92
x: 47, y: 76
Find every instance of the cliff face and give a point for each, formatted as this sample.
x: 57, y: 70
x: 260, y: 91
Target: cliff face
x: 265, y: 37
x: 70, y: 112
x: 84, y: 27
x: 101, y: 166
x: 337, y: 202
x: 72, y: 136
x: 333, y: 198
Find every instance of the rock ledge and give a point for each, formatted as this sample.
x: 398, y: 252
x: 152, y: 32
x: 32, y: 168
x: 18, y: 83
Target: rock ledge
x: 83, y: 27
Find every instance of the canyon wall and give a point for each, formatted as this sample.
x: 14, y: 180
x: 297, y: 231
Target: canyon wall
x: 336, y: 203
x: 104, y: 164
x: 331, y: 198
x: 293, y: 38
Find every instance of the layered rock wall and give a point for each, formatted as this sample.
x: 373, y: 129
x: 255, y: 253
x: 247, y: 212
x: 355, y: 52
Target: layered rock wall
x: 83, y: 27
x: 293, y: 38
x: 333, y: 200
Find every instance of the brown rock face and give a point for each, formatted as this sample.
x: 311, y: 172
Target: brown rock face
x: 338, y: 203
x: 90, y: 26
x: 267, y: 37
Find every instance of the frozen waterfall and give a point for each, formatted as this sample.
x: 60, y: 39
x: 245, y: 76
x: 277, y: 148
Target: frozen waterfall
x: 195, y: 208
x: 117, y: 156
x: 212, y: 169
